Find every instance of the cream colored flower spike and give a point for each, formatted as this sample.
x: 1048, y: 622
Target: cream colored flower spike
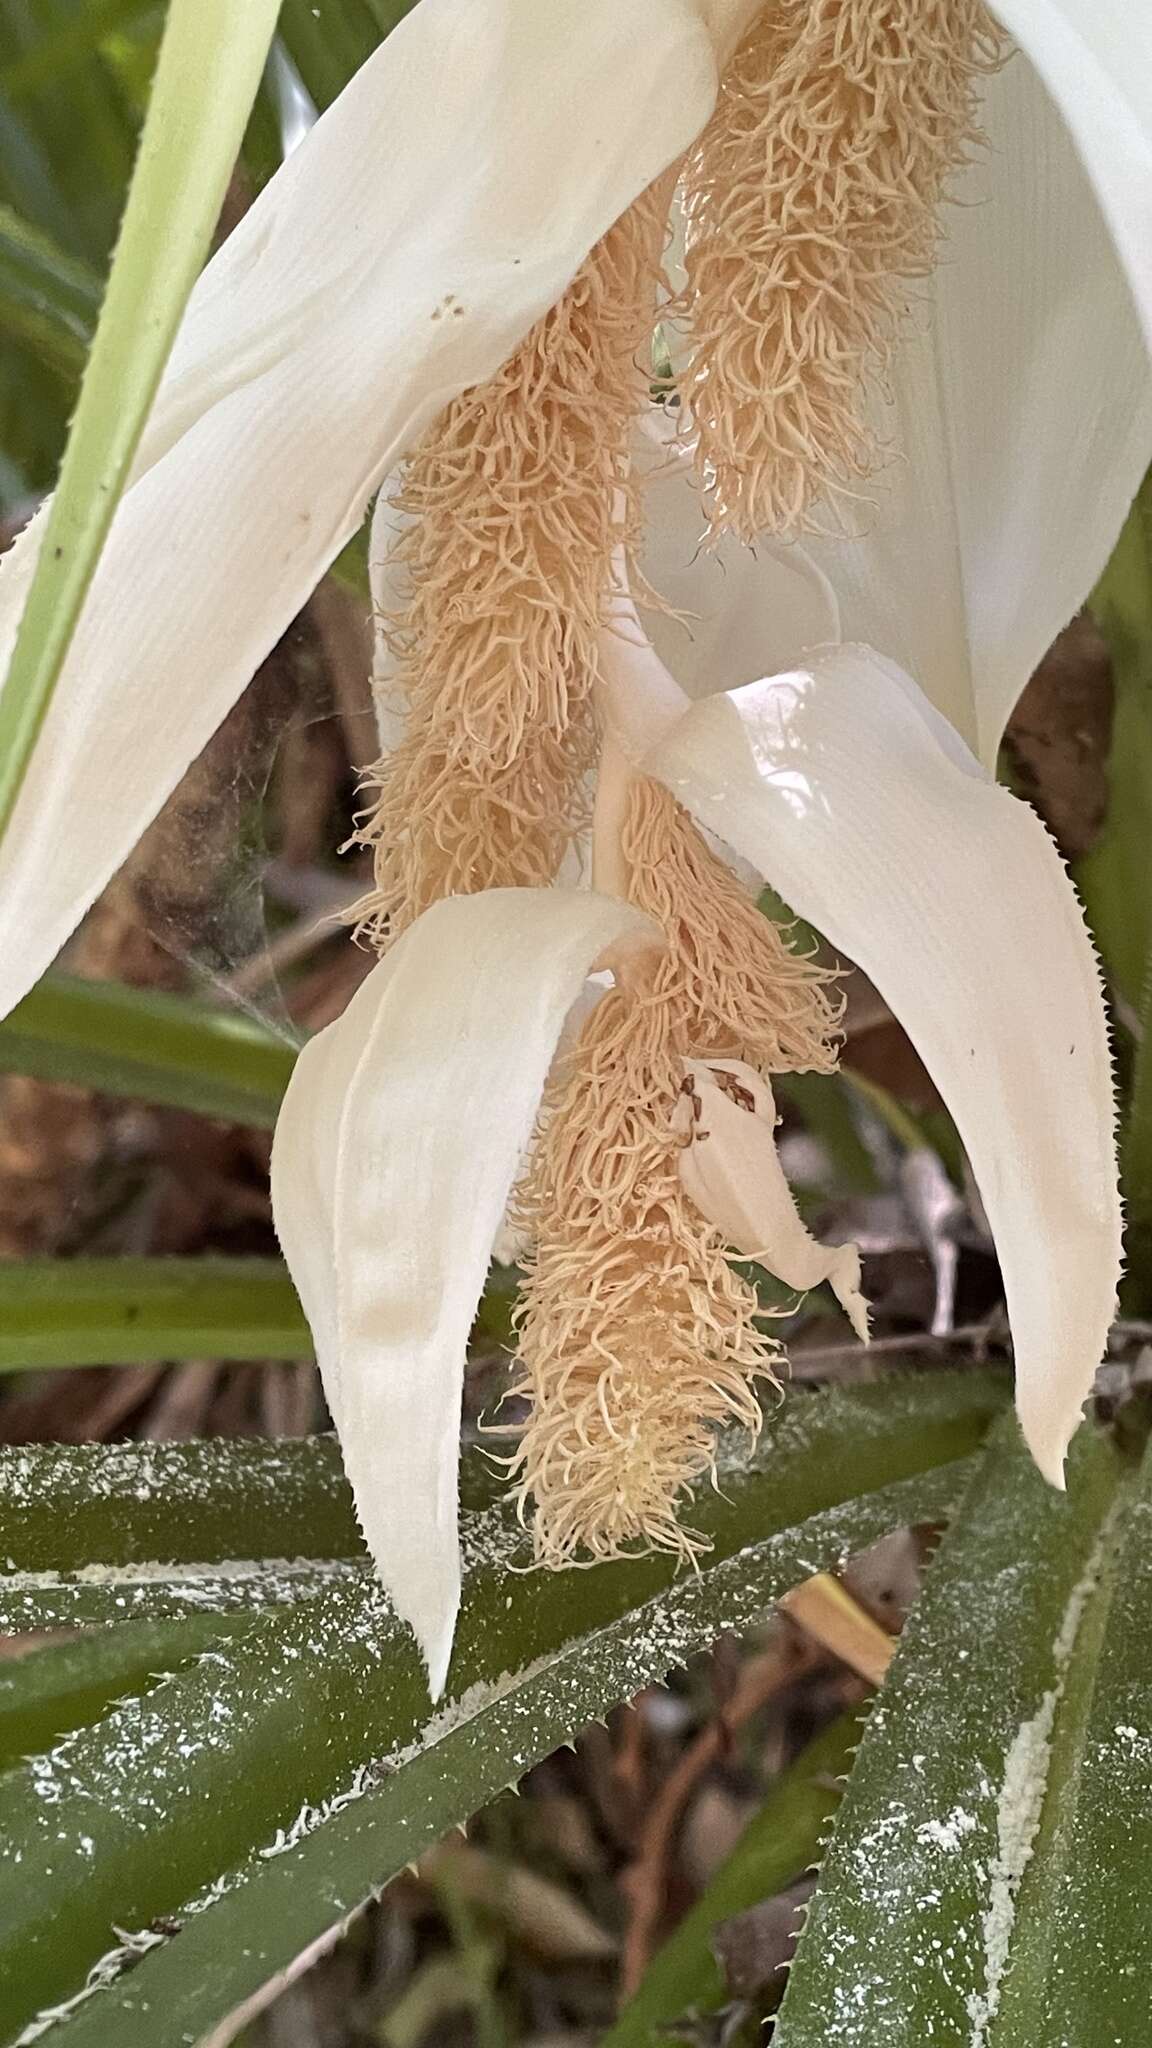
x: 863, y: 807
x: 428, y: 220
x: 398, y: 1143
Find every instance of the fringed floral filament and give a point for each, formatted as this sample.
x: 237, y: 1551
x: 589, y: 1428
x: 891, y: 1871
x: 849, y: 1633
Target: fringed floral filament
x: 508, y: 515
x: 812, y: 202
x: 639, y: 1335
x: 732, y: 985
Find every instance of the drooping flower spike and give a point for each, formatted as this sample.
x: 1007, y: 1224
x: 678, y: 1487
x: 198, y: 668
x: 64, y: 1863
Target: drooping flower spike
x: 630, y: 1128
x: 422, y: 227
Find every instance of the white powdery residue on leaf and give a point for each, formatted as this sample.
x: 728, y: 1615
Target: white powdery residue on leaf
x: 950, y: 1832
x: 149, y: 1572
x: 1017, y: 1819
x: 367, y: 1777
x: 131, y: 1946
x: 129, y: 1949
x: 1021, y: 1799
x: 149, y: 1471
x: 477, y: 1700
x: 199, y: 1586
x: 491, y: 1539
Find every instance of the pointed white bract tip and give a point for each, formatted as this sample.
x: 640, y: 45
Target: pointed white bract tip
x: 399, y: 1141
x: 433, y: 1625
x: 1048, y: 1453
x: 1047, y: 1429
x: 844, y: 1280
x: 436, y: 1649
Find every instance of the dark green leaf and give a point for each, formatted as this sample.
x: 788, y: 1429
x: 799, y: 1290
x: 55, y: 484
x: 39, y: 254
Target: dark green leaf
x: 1114, y: 878
x: 823, y: 1102
x: 1079, y: 1975
x: 206, y: 78
x: 260, y: 1796
x: 87, y: 1531
x: 46, y: 1693
x: 105, y: 1509
x: 328, y: 40
x: 48, y: 300
x: 912, y: 1933
x: 70, y: 46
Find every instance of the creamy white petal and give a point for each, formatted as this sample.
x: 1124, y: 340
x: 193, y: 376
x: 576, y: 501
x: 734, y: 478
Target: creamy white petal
x: 429, y: 218
x: 1095, y: 56
x: 736, y: 612
x: 728, y: 21
x: 398, y: 1142
x: 731, y: 1170
x: 1021, y: 425
x: 949, y: 894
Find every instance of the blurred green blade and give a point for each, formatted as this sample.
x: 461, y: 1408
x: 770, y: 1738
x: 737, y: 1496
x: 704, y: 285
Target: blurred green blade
x: 86, y: 1529
x: 327, y: 43
x: 157, y: 1048
x: 779, y: 1843
x: 1114, y: 879
x: 211, y: 58
x: 139, y: 1311
x: 48, y: 300
x: 61, y: 49
x: 259, y: 1797
x: 912, y: 1934
x: 328, y: 40
x: 823, y: 1102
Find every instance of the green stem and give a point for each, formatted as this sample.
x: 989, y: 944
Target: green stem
x: 65, y: 1312
x: 207, y: 74
x: 151, y: 1047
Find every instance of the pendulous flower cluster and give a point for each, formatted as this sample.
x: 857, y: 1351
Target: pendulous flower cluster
x: 857, y: 458
x: 811, y: 204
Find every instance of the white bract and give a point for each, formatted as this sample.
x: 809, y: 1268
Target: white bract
x: 731, y: 1169
x: 399, y: 255
x: 851, y: 696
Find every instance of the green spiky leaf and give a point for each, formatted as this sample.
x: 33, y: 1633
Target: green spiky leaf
x: 258, y: 1794
x: 1003, y: 1775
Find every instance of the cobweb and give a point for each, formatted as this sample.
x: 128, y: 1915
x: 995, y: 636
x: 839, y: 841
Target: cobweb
x: 205, y: 880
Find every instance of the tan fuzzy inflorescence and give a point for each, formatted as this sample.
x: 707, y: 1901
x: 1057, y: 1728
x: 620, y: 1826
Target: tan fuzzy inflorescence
x: 638, y: 1334
x: 812, y: 200
x: 511, y: 509
x: 732, y: 985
